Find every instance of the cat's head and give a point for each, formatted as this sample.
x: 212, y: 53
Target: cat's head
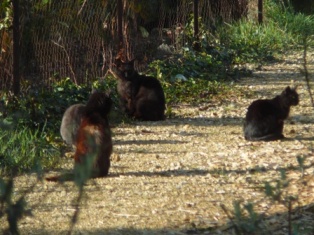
x: 125, y: 70
x: 99, y: 102
x: 291, y: 96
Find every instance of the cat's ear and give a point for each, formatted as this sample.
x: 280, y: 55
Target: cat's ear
x: 287, y: 90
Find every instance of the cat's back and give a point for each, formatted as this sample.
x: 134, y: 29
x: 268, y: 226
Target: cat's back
x: 261, y: 104
x: 74, y: 112
x: 94, y: 128
x: 94, y: 124
x: 149, y: 81
x: 70, y: 123
x: 260, y: 108
x: 94, y: 135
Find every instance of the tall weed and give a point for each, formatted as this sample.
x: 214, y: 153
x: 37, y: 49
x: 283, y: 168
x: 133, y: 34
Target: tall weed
x: 251, y: 42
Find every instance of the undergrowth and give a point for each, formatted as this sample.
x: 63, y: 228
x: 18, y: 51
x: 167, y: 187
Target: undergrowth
x: 26, y: 150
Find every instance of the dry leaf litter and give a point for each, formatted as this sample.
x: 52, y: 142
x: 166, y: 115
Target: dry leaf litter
x: 174, y: 177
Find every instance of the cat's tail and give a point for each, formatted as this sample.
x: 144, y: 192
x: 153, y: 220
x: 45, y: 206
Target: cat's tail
x: 61, y: 178
x: 270, y: 137
x: 53, y: 178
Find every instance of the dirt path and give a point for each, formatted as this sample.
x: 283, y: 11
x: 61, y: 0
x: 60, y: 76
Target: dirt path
x: 173, y: 177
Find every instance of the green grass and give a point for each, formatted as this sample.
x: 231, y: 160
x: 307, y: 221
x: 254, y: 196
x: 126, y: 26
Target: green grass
x: 297, y: 24
x: 282, y: 30
x: 251, y: 42
x: 23, y: 150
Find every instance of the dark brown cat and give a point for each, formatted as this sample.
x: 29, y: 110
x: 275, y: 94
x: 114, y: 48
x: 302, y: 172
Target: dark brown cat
x: 264, y: 119
x: 141, y: 97
x: 94, y: 135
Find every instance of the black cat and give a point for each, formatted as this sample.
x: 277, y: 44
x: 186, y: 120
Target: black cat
x: 141, y: 97
x: 265, y: 118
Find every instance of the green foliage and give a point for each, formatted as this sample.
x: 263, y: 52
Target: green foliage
x: 246, y: 220
x: 192, y: 73
x: 253, y: 42
x: 276, y: 191
x: 5, y: 14
x: 29, y: 135
x: 301, y: 161
x: 37, y: 107
x: 26, y: 150
x: 188, y: 36
x: 296, y: 25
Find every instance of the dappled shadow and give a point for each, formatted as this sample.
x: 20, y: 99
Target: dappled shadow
x: 299, y: 138
x: 167, y: 173
x: 104, y: 231
x: 259, y: 169
x: 194, y: 121
x: 202, y: 121
x: 187, y: 172
x: 301, y: 219
x: 144, y: 142
x: 216, y: 171
x: 202, y: 223
x: 68, y: 176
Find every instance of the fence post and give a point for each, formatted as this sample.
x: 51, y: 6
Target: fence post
x: 196, y: 27
x: 260, y: 11
x: 120, y: 19
x: 16, y: 47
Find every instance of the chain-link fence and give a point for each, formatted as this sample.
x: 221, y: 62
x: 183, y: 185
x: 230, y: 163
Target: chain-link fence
x: 79, y: 39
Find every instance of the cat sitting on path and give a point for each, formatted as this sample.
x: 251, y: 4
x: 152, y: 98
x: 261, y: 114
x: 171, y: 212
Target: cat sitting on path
x: 93, y: 140
x: 141, y: 96
x: 264, y: 119
x: 94, y: 135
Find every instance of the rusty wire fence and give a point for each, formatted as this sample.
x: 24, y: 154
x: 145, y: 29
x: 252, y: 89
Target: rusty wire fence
x: 79, y: 39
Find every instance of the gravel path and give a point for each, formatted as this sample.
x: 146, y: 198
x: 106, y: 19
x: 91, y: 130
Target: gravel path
x: 177, y: 176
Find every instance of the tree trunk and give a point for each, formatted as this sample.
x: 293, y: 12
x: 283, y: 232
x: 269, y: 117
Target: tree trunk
x: 260, y: 11
x: 16, y: 48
